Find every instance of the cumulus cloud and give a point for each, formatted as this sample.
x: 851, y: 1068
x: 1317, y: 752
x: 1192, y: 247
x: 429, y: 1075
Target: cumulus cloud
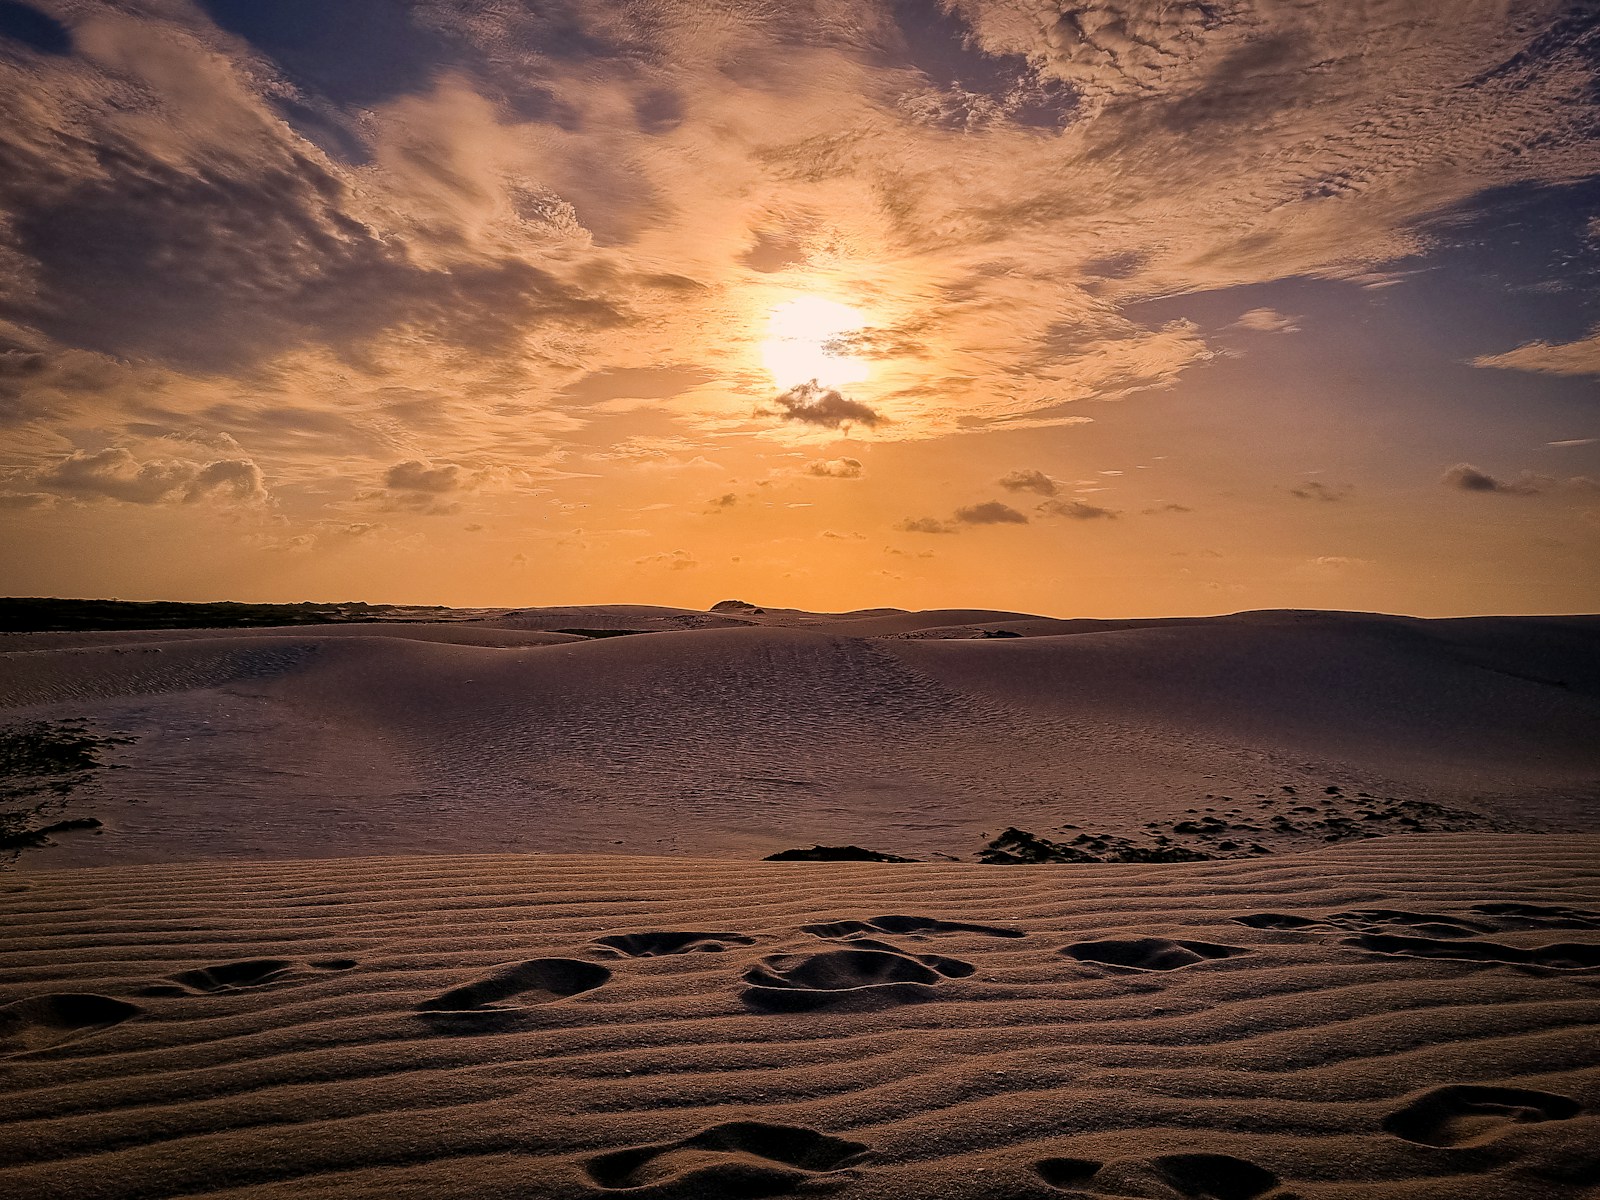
x: 1029, y: 481
x: 1316, y: 490
x: 1468, y: 478
x: 726, y: 500
x: 836, y: 468
x: 1266, y: 320
x: 674, y: 560
x: 924, y: 525
x: 991, y: 512
x: 415, y: 475
x: 812, y: 404
x: 1075, y: 510
x: 115, y: 474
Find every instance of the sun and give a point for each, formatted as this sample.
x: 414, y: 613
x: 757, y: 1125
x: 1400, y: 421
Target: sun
x: 805, y: 343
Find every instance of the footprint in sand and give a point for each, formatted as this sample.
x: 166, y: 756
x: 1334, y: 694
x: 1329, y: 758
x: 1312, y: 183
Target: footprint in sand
x: 241, y: 976
x: 912, y: 927
x: 867, y: 974
x: 738, y: 1159
x: 1511, y: 915
x: 1149, y: 954
x: 1486, y: 918
x: 537, y: 981
x: 41, y: 1021
x: 655, y: 943
x: 1470, y: 1114
x: 1558, y: 956
x: 1169, y: 1176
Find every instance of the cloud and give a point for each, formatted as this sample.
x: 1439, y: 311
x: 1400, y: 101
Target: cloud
x: 414, y: 475
x: 1574, y: 442
x: 1468, y: 478
x: 1266, y: 320
x: 991, y: 512
x: 811, y: 404
x: 20, y: 500
x: 836, y: 468
x: 1166, y: 508
x: 924, y: 525
x: 675, y: 560
x: 115, y: 474
x: 835, y: 535
x: 1316, y: 490
x: 1075, y: 510
x: 1581, y: 357
x: 1029, y: 481
x: 726, y: 500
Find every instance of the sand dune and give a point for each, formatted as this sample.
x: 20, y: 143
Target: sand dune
x: 745, y: 732
x: 1339, y: 1024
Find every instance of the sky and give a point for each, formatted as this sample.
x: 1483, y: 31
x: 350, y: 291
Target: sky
x: 1085, y: 307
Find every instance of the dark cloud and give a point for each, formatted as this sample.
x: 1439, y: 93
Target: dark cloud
x: 836, y: 468
x: 991, y: 512
x: 1166, y: 508
x: 115, y: 474
x: 1075, y: 510
x: 812, y: 404
x: 924, y: 525
x: 1316, y: 490
x: 726, y: 500
x: 1029, y: 481
x: 213, y: 254
x: 414, y: 475
x: 1468, y: 478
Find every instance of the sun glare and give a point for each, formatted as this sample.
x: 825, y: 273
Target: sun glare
x: 803, y: 344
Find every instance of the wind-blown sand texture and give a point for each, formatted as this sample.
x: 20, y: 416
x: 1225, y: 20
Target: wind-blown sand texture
x: 1409, y: 1018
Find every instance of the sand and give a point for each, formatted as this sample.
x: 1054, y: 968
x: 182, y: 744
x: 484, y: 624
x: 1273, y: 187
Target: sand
x: 555, y: 1026
x: 476, y: 910
x: 742, y: 734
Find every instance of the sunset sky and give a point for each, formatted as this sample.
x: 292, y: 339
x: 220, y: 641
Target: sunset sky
x: 1088, y: 307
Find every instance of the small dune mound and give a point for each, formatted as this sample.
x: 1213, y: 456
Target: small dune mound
x: 1558, y: 956
x: 1149, y: 954
x: 41, y: 1021
x: 1193, y: 1176
x: 879, y: 975
x: 656, y: 942
x: 913, y: 927
x: 737, y: 1159
x: 538, y: 981
x: 1469, y: 1114
x: 835, y: 854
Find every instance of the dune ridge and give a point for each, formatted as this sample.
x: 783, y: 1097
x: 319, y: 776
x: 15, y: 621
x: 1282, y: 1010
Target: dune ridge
x: 745, y: 732
x: 476, y: 1026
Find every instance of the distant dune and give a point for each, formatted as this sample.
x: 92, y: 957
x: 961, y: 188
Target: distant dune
x: 747, y: 731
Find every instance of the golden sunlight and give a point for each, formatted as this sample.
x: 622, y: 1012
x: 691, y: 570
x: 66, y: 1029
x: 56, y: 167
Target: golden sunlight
x: 804, y: 344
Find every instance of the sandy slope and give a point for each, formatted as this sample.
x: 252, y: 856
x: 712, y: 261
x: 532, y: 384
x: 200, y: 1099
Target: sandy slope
x: 1408, y: 1018
x: 742, y: 733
